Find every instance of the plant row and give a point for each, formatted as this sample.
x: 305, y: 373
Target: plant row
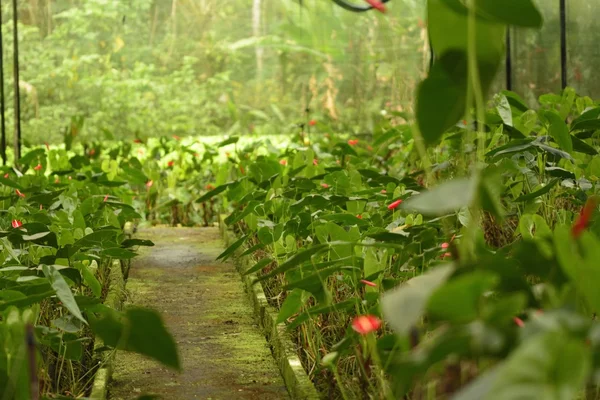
x: 469, y: 270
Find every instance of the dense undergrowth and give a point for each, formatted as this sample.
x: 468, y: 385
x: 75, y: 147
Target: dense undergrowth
x: 481, y: 279
x: 62, y: 229
x: 396, y: 278
x: 449, y: 254
x: 63, y: 220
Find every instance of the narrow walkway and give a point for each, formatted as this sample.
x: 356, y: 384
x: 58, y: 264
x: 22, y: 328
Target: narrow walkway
x: 223, y: 352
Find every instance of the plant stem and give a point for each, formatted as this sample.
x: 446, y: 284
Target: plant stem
x: 475, y: 79
x: 338, y: 382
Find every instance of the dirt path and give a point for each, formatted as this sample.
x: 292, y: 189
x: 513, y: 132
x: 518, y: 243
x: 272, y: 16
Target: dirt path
x: 223, y: 352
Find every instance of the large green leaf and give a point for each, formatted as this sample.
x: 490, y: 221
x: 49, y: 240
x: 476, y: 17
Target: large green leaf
x: 480, y: 388
x: 137, y: 242
x: 590, y: 119
x: 514, y: 146
x: 323, y: 309
x: 295, y: 260
x: 212, y: 193
x: 512, y: 12
x: 232, y: 248
x: 98, y: 238
x: 63, y: 291
x: 258, y: 266
x: 559, y: 130
x: 448, y: 197
x: 230, y: 140
x: 539, y: 192
x: 442, y: 96
x: 135, y: 175
x: 581, y: 266
x: 138, y: 330
x: 237, y: 216
x: 582, y: 147
x: 90, y: 279
x: 441, y: 99
x: 118, y: 253
x: 316, y: 283
x: 404, y: 306
x: 148, y: 336
x: 27, y: 301
x: 458, y: 301
x: 449, y: 31
x: 548, y: 366
x: 291, y: 305
x: 504, y: 110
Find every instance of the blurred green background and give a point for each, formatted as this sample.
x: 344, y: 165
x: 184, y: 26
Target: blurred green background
x: 140, y: 68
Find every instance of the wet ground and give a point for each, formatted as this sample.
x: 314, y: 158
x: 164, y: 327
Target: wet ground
x: 223, y: 352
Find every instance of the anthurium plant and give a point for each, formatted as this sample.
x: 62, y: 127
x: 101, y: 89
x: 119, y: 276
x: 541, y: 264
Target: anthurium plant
x: 61, y: 232
x: 470, y: 274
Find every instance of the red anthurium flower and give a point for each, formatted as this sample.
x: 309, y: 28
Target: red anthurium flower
x: 324, y: 186
x: 376, y: 4
x: 283, y: 162
x: 519, y: 322
x: 170, y: 163
x: 359, y: 216
x: 176, y: 137
x: 16, y: 223
x: 315, y: 162
x: 105, y: 198
x: 18, y: 192
x: 365, y: 324
x: 445, y: 245
x: 312, y: 122
x: 38, y: 167
x: 137, y: 141
x: 584, y: 217
x: 395, y: 204
x: 149, y: 184
x: 368, y: 283
x: 353, y: 142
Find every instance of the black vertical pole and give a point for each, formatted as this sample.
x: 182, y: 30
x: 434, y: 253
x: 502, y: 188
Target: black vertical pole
x: 563, y: 43
x: 431, y: 55
x: 2, y: 105
x: 508, y: 60
x: 17, y: 142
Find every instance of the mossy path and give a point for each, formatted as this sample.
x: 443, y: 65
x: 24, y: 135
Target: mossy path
x: 223, y: 352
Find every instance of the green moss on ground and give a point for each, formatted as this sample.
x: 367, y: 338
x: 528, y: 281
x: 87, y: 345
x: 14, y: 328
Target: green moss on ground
x: 223, y: 351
